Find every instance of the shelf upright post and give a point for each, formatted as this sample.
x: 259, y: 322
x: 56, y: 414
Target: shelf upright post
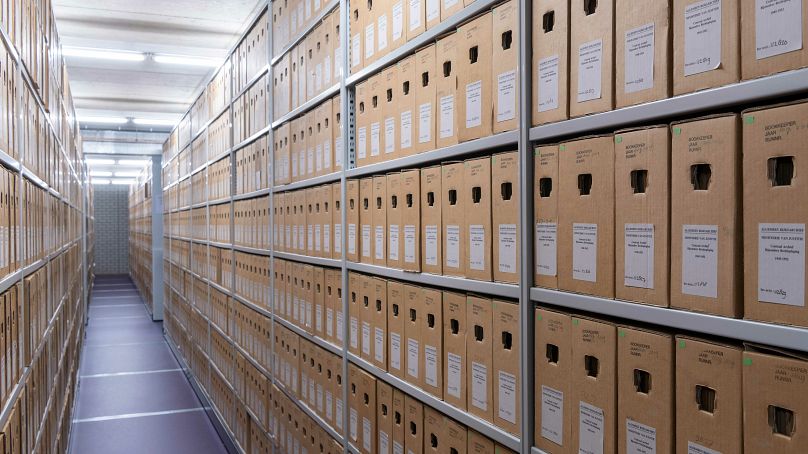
x: 526, y: 322
x: 157, y: 237
x: 346, y: 96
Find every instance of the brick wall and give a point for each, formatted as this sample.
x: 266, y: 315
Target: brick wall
x: 111, y: 229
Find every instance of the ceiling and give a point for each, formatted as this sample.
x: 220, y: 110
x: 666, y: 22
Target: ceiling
x: 144, y: 89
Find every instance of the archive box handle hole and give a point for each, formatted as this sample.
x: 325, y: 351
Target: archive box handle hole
x: 781, y: 420
x: 397, y: 417
x: 413, y: 428
x: 366, y: 398
x: 365, y: 203
x: 378, y: 203
x: 548, y: 21
x: 413, y: 315
x: 551, y: 353
x: 409, y: 200
x: 506, y: 189
x: 590, y: 6
x: 389, y: 95
x: 639, y: 181
x: 384, y: 409
x: 585, y: 183
x: 453, y: 451
x: 476, y: 194
x: 394, y: 201
x: 705, y: 398
x: 353, y: 388
x: 592, y: 365
x: 430, y: 198
x: 353, y: 296
x: 642, y: 381
x: 433, y: 440
x: 395, y: 310
x: 405, y: 87
x: 479, y: 335
x: 454, y: 325
x: 447, y: 68
x: 375, y: 102
x: 365, y: 301
x: 507, y: 340
x: 507, y: 39
x: 545, y: 187
x: 378, y: 305
x: 425, y: 79
x: 700, y: 175
x: 452, y: 197
x: 473, y: 54
x: 430, y: 320
x: 781, y: 170
x: 361, y: 107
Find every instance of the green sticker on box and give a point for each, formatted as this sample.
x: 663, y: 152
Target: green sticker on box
x: 575, y: 321
x: 681, y: 344
x: 494, y: 159
x: 747, y: 361
x: 749, y: 119
x: 562, y: 148
x: 621, y: 333
x: 677, y: 131
x: 618, y: 139
x: 538, y: 317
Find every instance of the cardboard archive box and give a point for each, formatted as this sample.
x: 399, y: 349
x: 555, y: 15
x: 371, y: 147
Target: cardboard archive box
x: 362, y: 122
x: 505, y: 216
x: 705, y: 215
x: 448, y: 59
x: 405, y: 95
x: 591, y: 58
x: 505, y: 39
x: 774, y: 37
x: 454, y: 349
x: 370, y: 10
x: 425, y: 92
x: 432, y: 339
x: 379, y: 325
x: 432, y: 220
x: 394, y: 207
x: 507, y: 380
x: 396, y: 326
x: 379, y: 226
x: 384, y: 416
x: 390, y: 113
x: 414, y: 311
x: 553, y: 363
x: 775, y: 213
x: 545, y: 206
x: 474, y: 79
x: 586, y: 216
x: 709, y: 414
x: 477, y: 191
x: 479, y: 350
x: 375, y: 117
x: 642, y: 214
x: 409, y: 249
x: 366, y: 219
x: 414, y: 428
x: 354, y: 312
x: 453, y: 220
x: 367, y: 297
x: 551, y: 61
x: 642, y: 51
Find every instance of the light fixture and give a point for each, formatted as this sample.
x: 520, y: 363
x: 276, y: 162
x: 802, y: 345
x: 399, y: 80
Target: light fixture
x: 128, y: 174
x: 104, y: 120
x: 186, y: 60
x: 154, y: 122
x: 126, y: 182
x: 100, y: 173
x: 99, y: 162
x: 103, y: 54
x: 133, y: 162
x: 100, y: 181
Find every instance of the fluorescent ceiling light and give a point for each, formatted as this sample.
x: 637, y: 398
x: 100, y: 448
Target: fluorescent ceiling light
x: 103, y: 54
x: 133, y: 162
x: 127, y: 174
x: 154, y: 122
x: 126, y: 182
x: 105, y: 120
x: 186, y: 60
x: 100, y: 162
x: 100, y: 181
x: 100, y: 173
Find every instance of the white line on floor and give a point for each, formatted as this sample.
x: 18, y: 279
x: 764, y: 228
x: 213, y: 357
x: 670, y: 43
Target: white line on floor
x: 139, y: 415
x: 125, y: 344
x: 122, y: 374
x: 122, y: 316
x: 114, y: 305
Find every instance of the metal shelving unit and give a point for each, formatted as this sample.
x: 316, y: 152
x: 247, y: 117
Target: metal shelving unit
x: 523, y: 139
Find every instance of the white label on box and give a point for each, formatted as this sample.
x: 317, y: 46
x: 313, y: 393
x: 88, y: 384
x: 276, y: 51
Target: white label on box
x: 446, y: 126
x: 310, y: 232
x: 695, y: 448
x: 546, y: 252
x: 340, y: 327
x: 397, y: 448
x: 447, y: 4
x: 454, y: 374
x: 506, y: 96
x: 379, y: 242
x: 338, y: 238
x: 412, y: 357
x: 415, y: 14
x: 585, y: 252
x: 477, y: 247
x: 312, y: 391
x: 301, y: 238
x: 304, y: 388
x: 409, y: 244
x: 393, y: 247
x: 308, y: 9
x: 781, y: 264
x: 327, y: 70
x: 406, y: 130
x: 507, y: 397
x: 382, y: 32
x: 702, y: 37
x: 320, y: 397
x: 375, y: 136
x: 431, y: 252
x: 432, y: 10
x: 329, y: 322
x: 452, y: 246
x: 431, y: 365
x: 338, y: 151
x: 640, y: 439
x: 474, y: 104
x: 327, y: 154
x: 318, y: 77
x: 590, y: 429
x: 367, y: 436
x: 366, y: 338
x: 479, y: 385
x: 318, y: 318
x: 362, y: 143
x: 590, y: 59
x: 389, y: 135
x: 318, y: 157
x: 327, y: 237
x: 384, y: 442
x: 552, y: 415
x: 507, y: 248
x: 338, y: 413
x: 778, y: 27
x: 700, y: 260
x: 425, y: 122
x: 356, y: 45
x: 395, y: 351
x: 378, y: 344
x: 639, y: 255
x: 639, y: 59
x: 329, y: 405
x: 366, y: 241
x: 370, y: 39
x: 294, y: 236
x: 548, y: 83
x: 354, y: 423
x: 398, y: 20
x: 354, y: 333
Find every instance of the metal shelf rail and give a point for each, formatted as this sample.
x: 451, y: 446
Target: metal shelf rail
x: 523, y: 139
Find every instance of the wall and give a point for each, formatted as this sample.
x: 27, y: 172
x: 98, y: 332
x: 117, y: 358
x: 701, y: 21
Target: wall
x: 111, y: 229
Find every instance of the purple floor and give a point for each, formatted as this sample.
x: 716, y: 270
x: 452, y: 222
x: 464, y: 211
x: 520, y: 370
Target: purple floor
x: 133, y: 397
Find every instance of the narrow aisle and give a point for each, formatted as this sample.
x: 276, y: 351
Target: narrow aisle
x: 133, y: 396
